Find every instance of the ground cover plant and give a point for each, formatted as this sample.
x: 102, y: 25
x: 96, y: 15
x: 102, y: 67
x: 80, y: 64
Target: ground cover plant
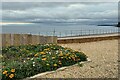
x: 23, y: 61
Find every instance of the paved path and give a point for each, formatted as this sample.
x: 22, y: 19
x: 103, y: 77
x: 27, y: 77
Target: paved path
x: 89, y: 36
x: 104, y: 61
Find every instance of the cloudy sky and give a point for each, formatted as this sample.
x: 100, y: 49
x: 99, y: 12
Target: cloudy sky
x: 82, y: 12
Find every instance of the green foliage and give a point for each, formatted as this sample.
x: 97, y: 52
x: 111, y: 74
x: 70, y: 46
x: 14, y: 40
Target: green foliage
x: 27, y: 60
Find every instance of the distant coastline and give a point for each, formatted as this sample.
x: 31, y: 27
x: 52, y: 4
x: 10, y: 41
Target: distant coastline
x: 116, y: 25
x: 107, y: 25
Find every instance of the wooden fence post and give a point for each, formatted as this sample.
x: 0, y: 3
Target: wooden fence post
x: 0, y: 41
x: 7, y: 40
x: 24, y: 39
x: 3, y: 40
x: 16, y: 39
x: 29, y: 39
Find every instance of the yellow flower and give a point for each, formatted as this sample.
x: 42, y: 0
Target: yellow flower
x: 11, y: 75
x: 69, y: 57
x: 43, y: 56
x: 36, y: 55
x: 61, y: 57
x: 60, y: 63
x: 44, y: 59
x: 28, y: 58
x: 47, y: 64
x: 60, y: 54
x: 67, y: 54
x: 1, y: 56
x: 55, y: 64
x: 42, y: 52
x: 53, y: 57
x: 47, y: 49
x: 5, y: 72
x: 12, y: 70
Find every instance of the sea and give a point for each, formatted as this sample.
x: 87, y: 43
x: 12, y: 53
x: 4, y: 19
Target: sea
x: 58, y: 29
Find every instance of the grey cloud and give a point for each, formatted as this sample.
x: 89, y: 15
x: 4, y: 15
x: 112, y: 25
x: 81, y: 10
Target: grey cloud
x: 30, y: 5
x: 55, y: 11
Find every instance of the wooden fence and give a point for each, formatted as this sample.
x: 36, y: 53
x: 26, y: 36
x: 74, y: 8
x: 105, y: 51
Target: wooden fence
x: 24, y: 39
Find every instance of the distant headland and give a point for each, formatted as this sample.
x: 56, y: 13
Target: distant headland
x: 116, y: 25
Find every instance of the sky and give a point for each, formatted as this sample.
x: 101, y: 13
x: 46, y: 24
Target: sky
x: 67, y: 12
x: 60, y: 0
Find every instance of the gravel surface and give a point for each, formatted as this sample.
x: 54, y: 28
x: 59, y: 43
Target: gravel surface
x: 104, y: 61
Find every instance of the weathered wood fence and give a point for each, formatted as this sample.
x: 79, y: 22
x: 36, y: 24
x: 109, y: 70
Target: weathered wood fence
x: 24, y: 39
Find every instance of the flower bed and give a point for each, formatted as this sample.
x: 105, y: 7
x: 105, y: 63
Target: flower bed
x: 27, y: 60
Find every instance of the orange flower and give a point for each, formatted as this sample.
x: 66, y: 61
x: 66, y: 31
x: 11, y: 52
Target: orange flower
x: 44, y: 59
x: 11, y: 75
x: 42, y: 52
x: 36, y: 55
x: 5, y: 72
x: 67, y: 54
x: 12, y: 70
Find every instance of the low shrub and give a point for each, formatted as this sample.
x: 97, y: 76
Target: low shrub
x: 27, y: 60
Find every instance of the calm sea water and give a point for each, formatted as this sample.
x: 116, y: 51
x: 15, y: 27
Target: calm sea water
x: 58, y: 29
